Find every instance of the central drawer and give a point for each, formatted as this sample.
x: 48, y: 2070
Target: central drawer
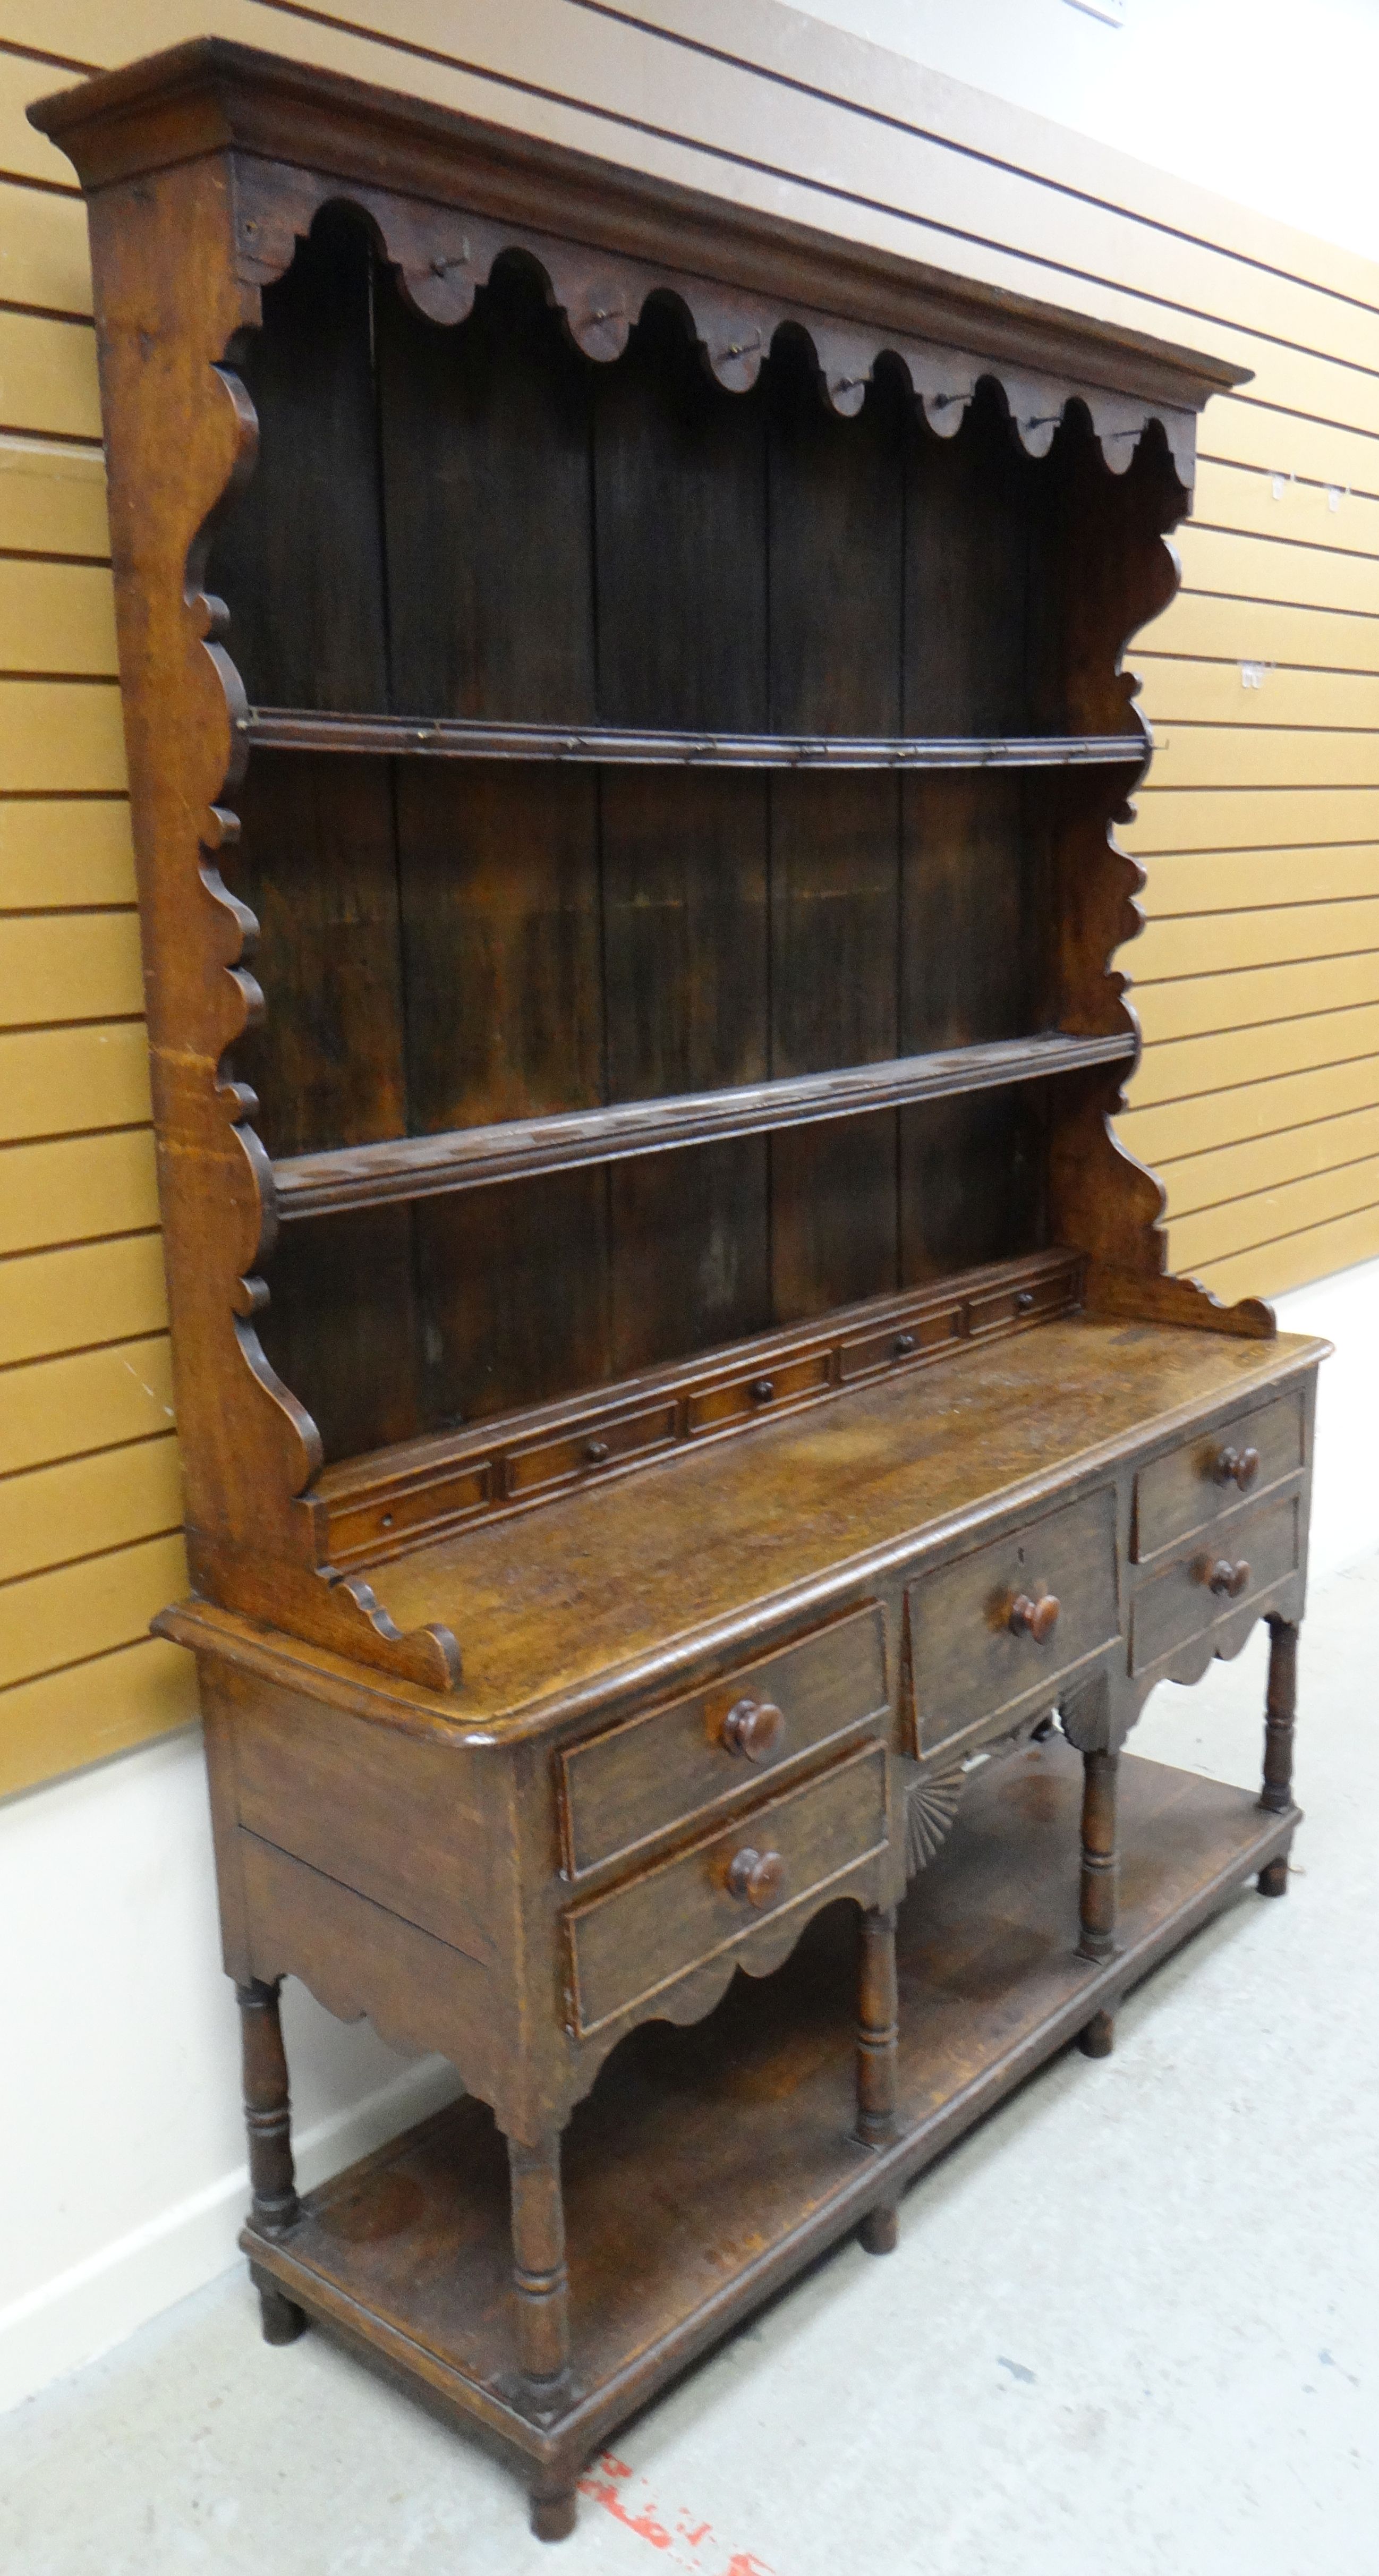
x: 667, y: 1767
x: 628, y: 1945
x: 981, y: 1636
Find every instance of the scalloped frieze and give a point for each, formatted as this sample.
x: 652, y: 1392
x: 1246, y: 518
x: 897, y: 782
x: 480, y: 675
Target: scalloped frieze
x: 695, y: 1995
x: 443, y: 255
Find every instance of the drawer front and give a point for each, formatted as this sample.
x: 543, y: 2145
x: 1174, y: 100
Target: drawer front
x: 1177, y: 1604
x: 628, y: 1945
x: 883, y: 1346
x: 1013, y: 1304
x: 1190, y: 1488
x: 738, y: 1399
x: 969, y: 1663
x: 665, y: 1768
x: 577, y: 1454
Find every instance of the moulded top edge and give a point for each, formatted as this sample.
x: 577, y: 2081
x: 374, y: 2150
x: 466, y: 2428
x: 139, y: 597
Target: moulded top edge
x: 213, y: 95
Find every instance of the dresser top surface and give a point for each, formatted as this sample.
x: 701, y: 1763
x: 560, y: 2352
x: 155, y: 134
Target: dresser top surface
x: 614, y: 1584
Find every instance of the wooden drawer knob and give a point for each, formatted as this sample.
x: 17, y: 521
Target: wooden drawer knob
x: 754, y: 1727
x: 1237, y: 1467
x: 1227, y: 1581
x: 1036, y: 1619
x: 757, y: 1878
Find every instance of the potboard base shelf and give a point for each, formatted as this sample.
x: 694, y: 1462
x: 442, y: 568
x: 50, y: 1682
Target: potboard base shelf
x: 710, y: 2164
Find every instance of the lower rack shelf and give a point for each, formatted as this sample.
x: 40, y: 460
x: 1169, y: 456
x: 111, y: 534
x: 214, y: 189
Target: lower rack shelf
x: 710, y: 2164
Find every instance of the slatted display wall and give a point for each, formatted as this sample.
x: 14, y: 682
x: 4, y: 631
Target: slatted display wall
x: 1258, y: 975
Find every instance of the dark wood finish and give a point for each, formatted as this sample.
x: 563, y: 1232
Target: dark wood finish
x: 1186, y: 1492
x: 641, y: 682
x: 378, y: 1506
x: 716, y: 1745
x: 274, y: 2208
x: 630, y: 1945
x: 752, y: 2111
x: 1280, y: 1714
x: 1265, y: 1542
x: 372, y: 1175
x: 622, y: 746
x: 878, y: 2040
x: 267, y: 2109
x: 981, y: 1642
x: 540, y: 2279
x: 1097, y: 1894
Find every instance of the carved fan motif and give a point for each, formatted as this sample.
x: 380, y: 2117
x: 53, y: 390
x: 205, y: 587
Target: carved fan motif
x: 931, y: 1805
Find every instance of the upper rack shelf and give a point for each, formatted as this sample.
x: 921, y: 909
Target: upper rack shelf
x: 465, y: 1158
x: 463, y: 738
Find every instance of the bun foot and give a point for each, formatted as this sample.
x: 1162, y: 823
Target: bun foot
x: 879, y: 2231
x: 1098, y: 2036
x: 281, y: 2318
x: 553, y: 2512
x: 1273, y: 1878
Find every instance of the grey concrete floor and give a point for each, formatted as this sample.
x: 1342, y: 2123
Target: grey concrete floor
x: 1132, y: 2324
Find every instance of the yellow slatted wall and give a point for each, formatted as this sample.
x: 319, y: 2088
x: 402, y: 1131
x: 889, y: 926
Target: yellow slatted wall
x: 1259, y: 972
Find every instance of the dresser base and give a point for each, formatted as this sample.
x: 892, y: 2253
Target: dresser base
x: 710, y: 2164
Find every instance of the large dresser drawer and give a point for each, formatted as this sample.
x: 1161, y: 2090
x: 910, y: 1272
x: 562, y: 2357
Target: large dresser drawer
x: 667, y: 1767
x: 980, y: 1632
x: 1194, y: 1485
x: 628, y: 1945
x: 1226, y: 1569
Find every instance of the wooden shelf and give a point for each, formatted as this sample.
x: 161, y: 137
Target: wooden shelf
x: 467, y: 1158
x: 751, y: 2110
x: 459, y: 738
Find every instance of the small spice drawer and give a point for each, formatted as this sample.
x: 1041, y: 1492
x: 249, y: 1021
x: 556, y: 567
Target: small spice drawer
x: 667, y: 1767
x: 1014, y: 1617
x: 1222, y: 1571
x: 1210, y: 1474
x: 1014, y: 1303
x: 643, y: 1936
x: 549, y: 1463
x: 735, y: 1399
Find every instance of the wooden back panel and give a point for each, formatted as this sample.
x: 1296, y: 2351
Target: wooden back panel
x: 485, y: 524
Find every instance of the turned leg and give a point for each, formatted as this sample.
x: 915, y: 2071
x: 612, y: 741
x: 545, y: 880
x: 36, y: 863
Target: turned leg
x: 554, y: 2504
x: 1280, y: 1710
x: 876, y: 2059
x: 268, y: 2121
x: 542, y: 2286
x: 1097, y: 1894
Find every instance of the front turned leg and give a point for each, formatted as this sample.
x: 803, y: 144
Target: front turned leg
x: 877, y: 2036
x: 1280, y: 1711
x: 539, y: 2276
x: 275, y: 2208
x: 1097, y: 1893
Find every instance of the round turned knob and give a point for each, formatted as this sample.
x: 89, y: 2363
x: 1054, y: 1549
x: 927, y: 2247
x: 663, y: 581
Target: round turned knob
x: 1036, y: 1619
x: 595, y: 1451
x: 754, y: 1727
x: 903, y: 1344
x: 1227, y: 1581
x: 1024, y: 1303
x: 763, y: 1388
x: 1237, y: 1467
x: 757, y: 1878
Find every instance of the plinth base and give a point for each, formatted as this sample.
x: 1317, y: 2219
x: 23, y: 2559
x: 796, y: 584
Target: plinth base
x: 710, y: 2164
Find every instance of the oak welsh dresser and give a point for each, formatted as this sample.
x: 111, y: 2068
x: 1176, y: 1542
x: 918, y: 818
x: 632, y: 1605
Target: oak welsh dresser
x: 677, y: 1379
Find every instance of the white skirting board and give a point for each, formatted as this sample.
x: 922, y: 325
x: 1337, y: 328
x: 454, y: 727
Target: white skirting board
x: 121, y: 2151
x: 121, y: 2148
